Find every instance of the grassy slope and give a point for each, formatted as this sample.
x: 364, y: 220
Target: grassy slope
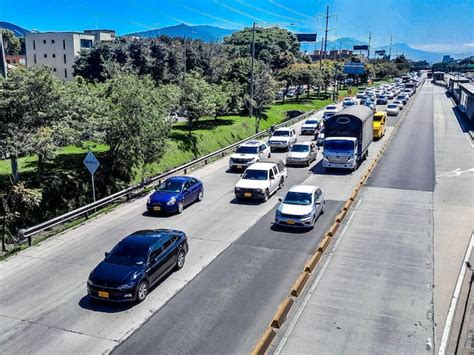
x: 209, y: 135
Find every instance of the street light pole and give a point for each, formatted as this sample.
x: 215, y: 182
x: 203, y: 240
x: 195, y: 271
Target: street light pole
x: 3, y: 63
x: 251, y: 70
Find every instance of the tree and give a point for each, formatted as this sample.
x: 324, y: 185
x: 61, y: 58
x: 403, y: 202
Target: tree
x: 265, y: 88
x: 12, y: 44
x: 196, y: 99
x: 402, y: 63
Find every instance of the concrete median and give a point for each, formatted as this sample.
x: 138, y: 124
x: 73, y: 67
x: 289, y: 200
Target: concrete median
x: 323, y: 244
x: 332, y: 231
x: 282, y: 312
x: 264, y: 342
x: 299, y: 284
x: 313, y: 261
x: 347, y: 205
x: 341, y: 216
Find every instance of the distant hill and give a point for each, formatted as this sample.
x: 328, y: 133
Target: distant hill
x: 204, y: 33
x: 17, y: 30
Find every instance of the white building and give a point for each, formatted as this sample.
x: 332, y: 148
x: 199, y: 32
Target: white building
x: 58, y: 50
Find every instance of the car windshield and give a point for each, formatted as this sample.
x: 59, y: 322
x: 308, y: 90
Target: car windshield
x: 338, y: 145
x: 128, y: 253
x: 251, y: 174
x: 300, y: 148
x: 311, y: 122
x: 247, y: 150
x: 349, y: 103
x: 281, y: 133
x: 297, y: 198
x: 170, y: 186
x: 392, y: 106
x: 331, y: 108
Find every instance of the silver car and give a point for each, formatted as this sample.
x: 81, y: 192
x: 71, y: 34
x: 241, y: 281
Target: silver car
x: 303, y: 153
x: 301, y: 207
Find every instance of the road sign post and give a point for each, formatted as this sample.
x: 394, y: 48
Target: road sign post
x: 91, y: 163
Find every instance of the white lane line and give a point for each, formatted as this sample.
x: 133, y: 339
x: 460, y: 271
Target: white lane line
x: 314, y: 285
x: 454, y: 299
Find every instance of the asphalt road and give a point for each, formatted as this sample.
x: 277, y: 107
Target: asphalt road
x: 234, y: 261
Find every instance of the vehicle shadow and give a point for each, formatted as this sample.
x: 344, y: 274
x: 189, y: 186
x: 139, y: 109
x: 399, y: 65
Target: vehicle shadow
x: 318, y: 169
x: 95, y: 305
x: 157, y: 214
x: 290, y: 230
x: 464, y: 123
x: 236, y: 201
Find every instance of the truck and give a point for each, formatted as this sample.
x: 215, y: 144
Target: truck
x: 348, y: 135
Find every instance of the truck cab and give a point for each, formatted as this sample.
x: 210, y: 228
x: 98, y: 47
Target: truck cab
x: 379, y: 124
x: 340, y: 152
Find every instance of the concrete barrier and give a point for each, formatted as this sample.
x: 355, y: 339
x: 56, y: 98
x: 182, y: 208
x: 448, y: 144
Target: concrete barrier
x: 282, y: 312
x: 264, y: 342
x: 341, y: 216
x: 323, y: 244
x: 347, y: 205
x: 313, y: 261
x: 354, y: 195
x: 299, y: 284
x: 332, y: 231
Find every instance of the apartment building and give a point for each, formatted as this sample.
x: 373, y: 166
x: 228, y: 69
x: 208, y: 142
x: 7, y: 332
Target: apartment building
x: 59, y: 49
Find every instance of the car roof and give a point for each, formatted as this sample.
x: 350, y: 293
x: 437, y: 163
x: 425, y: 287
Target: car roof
x: 303, y: 188
x: 252, y: 143
x: 148, y: 237
x: 179, y: 178
x: 304, y: 143
x: 283, y: 129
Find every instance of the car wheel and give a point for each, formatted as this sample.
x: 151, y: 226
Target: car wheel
x: 324, y: 208
x: 180, y: 259
x: 266, y: 195
x: 142, y: 291
x: 282, y: 182
x: 200, y: 196
x: 269, y: 155
x: 180, y: 207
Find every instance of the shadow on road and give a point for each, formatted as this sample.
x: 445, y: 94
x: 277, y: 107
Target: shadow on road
x: 318, y: 169
x: 291, y: 230
x: 241, y: 201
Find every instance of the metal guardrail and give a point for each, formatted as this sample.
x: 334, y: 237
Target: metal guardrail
x: 31, y: 231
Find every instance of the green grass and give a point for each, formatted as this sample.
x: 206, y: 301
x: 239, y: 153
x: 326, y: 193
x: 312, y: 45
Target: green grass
x: 208, y: 135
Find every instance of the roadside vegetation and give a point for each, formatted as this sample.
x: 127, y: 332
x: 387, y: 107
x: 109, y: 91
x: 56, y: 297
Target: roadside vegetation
x: 119, y: 104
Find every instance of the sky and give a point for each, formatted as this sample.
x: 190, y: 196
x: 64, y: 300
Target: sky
x: 435, y: 25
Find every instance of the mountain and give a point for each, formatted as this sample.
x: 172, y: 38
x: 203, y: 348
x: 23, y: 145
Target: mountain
x: 17, y: 30
x: 205, y: 33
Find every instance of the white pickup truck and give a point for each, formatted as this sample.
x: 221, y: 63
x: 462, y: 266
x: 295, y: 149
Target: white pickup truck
x: 261, y: 180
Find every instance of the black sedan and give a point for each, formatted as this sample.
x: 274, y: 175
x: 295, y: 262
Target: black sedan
x: 136, y: 263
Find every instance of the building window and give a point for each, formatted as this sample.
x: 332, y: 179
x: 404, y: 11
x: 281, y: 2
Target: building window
x: 65, y: 72
x: 45, y: 55
x: 86, y: 43
x: 44, y: 41
x: 34, y: 58
x: 34, y: 45
x: 64, y: 44
x: 52, y: 41
x: 54, y: 69
x: 54, y: 55
x: 65, y: 59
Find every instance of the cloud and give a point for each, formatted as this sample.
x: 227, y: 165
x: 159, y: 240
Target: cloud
x: 459, y: 48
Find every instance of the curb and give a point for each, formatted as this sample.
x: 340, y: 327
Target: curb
x: 281, y: 313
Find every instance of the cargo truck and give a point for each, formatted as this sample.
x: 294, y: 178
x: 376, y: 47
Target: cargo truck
x: 348, y: 135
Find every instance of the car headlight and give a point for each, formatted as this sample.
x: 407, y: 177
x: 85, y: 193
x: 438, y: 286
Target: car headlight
x: 89, y: 283
x: 171, y: 202
x: 237, y: 189
x: 149, y: 200
x: 307, y: 215
x: 278, y: 213
x: 131, y: 284
x: 259, y: 191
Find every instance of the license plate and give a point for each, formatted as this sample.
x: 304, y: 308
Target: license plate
x: 157, y: 208
x: 248, y: 194
x: 103, y: 294
x: 239, y: 166
x: 290, y: 221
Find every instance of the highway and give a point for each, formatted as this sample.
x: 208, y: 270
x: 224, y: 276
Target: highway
x: 237, y: 271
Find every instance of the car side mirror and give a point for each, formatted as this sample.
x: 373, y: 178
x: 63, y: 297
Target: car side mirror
x: 106, y: 254
x: 280, y: 199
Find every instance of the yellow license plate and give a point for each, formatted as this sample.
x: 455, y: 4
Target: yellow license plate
x: 247, y: 194
x: 157, y: 208
x: 290, y: 222
x: 103, y: 294
x: 239, y: 166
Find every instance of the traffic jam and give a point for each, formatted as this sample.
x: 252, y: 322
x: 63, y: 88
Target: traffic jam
x: 341, y: 138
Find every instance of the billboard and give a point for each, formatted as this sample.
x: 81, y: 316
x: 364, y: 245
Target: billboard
x: 354, y: 68
x: 361, y: 47
x: 306, y: 37
x: 380, y: 52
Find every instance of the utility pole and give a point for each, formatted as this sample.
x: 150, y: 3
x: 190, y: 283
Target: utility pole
x: 251, y: 70
x: 390, y: 50
x: 368, y: 48
x: 326, y: 31
x: 3, y: 63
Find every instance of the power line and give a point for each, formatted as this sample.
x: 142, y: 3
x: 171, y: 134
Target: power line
x: 237, y: 11
x: 288, y: 9
x: 268, y: 12
x: 212, y: 16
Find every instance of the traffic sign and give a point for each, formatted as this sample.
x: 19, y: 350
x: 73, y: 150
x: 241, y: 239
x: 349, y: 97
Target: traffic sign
x: 91, y: 162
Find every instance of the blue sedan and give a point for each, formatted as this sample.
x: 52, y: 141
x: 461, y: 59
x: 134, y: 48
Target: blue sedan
x: 174, y: 194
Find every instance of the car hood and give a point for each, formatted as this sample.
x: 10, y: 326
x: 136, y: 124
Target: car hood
x: 377, y: 125
x: 163, y: 196
x: 298, y: 154
x: 294, y: 209
x: 243, y: 156
x: 107, y: 274
x: 279, y: 139
x: 252, y: 184
x: 309, y: 125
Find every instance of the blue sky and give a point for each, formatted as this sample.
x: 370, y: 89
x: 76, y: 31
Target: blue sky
x: 434, y: 25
